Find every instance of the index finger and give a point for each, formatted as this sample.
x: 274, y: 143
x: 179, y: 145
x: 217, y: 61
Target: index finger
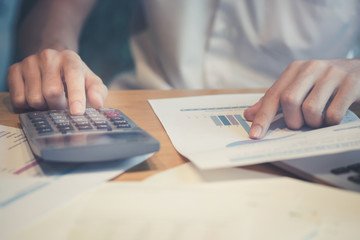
x: 74, y: 76
x: 271, y: 102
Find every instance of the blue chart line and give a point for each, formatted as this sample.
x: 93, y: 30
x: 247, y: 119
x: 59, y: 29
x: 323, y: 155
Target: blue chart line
x: 244, y: 142
x: 214, y: 108
x: 38, y: 187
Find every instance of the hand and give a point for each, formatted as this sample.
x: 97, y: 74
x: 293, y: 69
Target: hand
x: 55, y: 80
x: 315, y: 93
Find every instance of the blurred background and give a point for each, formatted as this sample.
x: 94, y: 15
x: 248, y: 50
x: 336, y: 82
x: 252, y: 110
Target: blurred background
x: 104, y: 43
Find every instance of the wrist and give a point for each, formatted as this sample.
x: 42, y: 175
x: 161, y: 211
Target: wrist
x: 57, y: 44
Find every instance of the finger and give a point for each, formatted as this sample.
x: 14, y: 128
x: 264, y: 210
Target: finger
x: 344, y: 97
x: 74, y: 74
x: 264, y: 116
x: 293, y: 96
x: 95, y: 89
x: 271, y: 102
x: 52, y: 85
x: 315, y: 103
x: 16, y: 87
x: 250, y: 112
x: 32, y: 79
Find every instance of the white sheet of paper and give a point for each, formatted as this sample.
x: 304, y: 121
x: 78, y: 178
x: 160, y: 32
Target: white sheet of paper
x: 212, y: 132
x: 30, y: 188
x: 189, y: 174
x: 264, y: 208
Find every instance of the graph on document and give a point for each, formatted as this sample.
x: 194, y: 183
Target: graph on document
x: 221, y: 117
x: 232, y: 124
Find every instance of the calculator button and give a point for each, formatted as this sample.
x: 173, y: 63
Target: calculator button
x: 58, y: 117
x: 98, y: 118
x: 62, y: 122
x: 117, y: 118
x: 36, y: 119
x: 42, y: 126
x: 93, y: 113
x: 32, y: 115
x: 84, y: 127
x: 98, y: 122
x: 123, y: 126
x: 111, y: 113
x: 91, y: 110
x: 45, y: 130
x: 103, y: 126
x: 40, y: 123
x: 57, y: 111
x: 78, y: 118
x: 116, y: 122
x: 66, y: 129
x: 80, y: 123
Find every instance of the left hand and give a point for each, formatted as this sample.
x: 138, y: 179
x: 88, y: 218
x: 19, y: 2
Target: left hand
x: 315, y: 93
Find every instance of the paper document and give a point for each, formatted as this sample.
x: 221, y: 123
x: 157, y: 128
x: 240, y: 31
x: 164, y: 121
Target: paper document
x: 187, y: 173
x: 270, y: 208
x: 211, y: 132
x: 30, y: 188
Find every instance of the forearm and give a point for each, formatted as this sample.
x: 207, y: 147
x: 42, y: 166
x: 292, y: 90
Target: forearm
x: 54, y: 24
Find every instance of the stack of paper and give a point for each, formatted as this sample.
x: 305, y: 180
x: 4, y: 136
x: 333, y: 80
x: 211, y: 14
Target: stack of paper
x: 30, y: 188
x: 218, y: 204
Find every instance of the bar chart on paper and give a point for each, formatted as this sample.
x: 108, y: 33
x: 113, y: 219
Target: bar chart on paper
x: 213, y: 121
x: 229, y: 121
x: 223, y: 116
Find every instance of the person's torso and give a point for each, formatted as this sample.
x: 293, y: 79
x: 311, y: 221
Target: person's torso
x: 252, y: 42
x: 238, y: 43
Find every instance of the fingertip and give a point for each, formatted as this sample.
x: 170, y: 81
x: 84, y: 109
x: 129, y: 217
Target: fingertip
x: 260, y: 125
x: 256, y: 131
x: 77, y: 108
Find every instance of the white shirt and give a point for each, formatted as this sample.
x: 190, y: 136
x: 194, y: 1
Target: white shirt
x: 237, y: 43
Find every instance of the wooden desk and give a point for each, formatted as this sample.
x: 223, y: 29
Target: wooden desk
x: 134, y: 104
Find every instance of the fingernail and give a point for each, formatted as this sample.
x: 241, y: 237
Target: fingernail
x: 255, y: 131
x: 76, y: 108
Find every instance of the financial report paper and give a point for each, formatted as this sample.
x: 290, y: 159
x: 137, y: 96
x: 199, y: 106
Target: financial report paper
x: 29, y: 188
x: 211, y: 131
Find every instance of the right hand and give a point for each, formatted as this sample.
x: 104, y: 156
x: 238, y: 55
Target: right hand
x: 54, y: 80
x: 315, y: 93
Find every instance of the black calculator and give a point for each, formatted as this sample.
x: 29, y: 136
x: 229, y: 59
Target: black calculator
x: 98, y: 135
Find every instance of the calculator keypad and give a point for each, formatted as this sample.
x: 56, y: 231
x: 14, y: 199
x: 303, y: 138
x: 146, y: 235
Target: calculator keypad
x: 60, y: 121
x: 40, y: 122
